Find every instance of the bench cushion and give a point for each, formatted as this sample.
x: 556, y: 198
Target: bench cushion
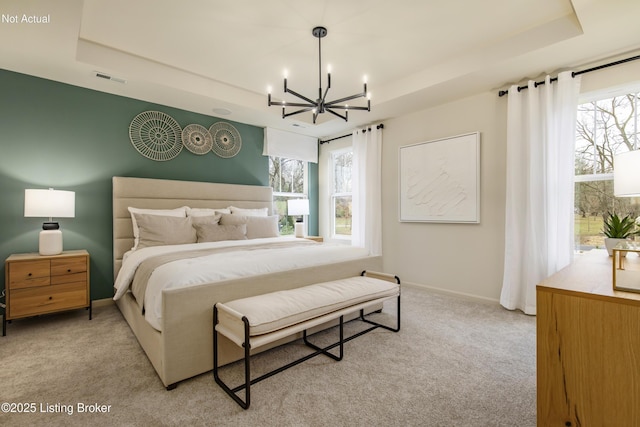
x: 271, y: 312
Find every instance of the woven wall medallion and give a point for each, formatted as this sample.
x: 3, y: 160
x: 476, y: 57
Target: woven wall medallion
x: 197, y: 139
x: 156, y: 135
x: 226, y: 139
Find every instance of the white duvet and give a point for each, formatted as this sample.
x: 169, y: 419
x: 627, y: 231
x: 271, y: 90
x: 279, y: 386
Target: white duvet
x: 221, y: 266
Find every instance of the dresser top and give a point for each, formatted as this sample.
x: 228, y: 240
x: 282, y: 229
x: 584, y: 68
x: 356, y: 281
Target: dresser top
x: 590, y: 274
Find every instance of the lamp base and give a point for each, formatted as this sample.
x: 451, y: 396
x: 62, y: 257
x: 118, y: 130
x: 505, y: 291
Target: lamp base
x: 299, y: 229
x: 50, y: 242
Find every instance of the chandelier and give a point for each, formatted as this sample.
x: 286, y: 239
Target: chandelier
x: 320, y: 105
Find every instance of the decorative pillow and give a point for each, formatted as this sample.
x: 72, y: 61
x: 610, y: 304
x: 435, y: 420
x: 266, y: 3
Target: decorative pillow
x: 205, y: 219
x: 216, y: 232
x: 156, y: 230
x: 178, y: 212
x: 249, y: 212
x: 257, y: 226
x: 206, y: 211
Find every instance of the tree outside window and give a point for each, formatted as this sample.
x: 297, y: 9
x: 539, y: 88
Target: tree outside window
x: 605, y: 127
x: 342, y: 165
x: 288, y: 178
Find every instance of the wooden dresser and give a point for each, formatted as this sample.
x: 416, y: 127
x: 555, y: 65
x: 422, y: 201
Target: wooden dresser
x: 588, y: 347
x: 37, y: 284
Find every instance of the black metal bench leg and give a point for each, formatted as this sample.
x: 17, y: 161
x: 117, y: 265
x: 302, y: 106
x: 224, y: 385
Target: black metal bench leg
x: 247, y: 366
x: 380, y: 325
x: 325, y: 350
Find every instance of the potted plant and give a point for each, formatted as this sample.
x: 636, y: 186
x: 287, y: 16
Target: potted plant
x: 617, y: 229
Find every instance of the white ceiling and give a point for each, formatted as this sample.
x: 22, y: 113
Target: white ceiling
x: 202, y: 55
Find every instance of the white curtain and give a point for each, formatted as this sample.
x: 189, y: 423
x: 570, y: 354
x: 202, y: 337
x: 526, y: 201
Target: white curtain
x: 541, y: 124
x: 366, y: 230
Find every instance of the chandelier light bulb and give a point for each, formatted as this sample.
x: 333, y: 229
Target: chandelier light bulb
x: 285, y: 73
x: 364, y: 79
x: 329, y: 68
x: 269, y: 88
x: 368, y: 95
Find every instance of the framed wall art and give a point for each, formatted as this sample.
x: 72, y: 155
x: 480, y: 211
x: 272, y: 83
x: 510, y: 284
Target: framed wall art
x: 440, y: 180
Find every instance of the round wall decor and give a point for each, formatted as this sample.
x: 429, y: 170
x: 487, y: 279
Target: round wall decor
x: 197, y: 139
x: 226, y: 139
x: 156, y: 135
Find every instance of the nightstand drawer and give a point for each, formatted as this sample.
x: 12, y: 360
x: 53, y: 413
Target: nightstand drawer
x: 29, y: 274
x: 69, y: 278
x: 72, y: 265
x: 33, y: 301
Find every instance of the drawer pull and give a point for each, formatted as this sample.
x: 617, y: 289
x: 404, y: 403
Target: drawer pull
x: 50, y: 298
x: 30, y: 274
x: 68, y: 270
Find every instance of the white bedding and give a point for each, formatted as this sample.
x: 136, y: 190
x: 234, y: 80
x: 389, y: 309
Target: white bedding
x: 222, y: 266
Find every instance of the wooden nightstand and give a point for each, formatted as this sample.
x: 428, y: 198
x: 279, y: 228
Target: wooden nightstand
x: 37, y: 284
x: 314, y: 238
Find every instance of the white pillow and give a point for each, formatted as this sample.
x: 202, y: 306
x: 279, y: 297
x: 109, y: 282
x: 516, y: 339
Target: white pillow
x: 177, y: 212
x: 249, y: 212
x: 160, y: 230
x: 206, y: 211
x: 257, y: 226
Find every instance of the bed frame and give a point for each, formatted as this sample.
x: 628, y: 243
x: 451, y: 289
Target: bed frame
x: 184, y: 348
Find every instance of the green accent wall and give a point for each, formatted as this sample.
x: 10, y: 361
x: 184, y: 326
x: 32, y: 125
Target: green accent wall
x: 70, y: 138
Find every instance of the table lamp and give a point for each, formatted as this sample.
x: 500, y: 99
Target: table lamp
x: 626, y: 174
x: 298, y: 208
x: 49, y: 204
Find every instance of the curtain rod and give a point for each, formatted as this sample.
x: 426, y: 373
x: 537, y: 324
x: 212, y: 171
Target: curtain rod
x: 577, y: 73
x: 380, y: 126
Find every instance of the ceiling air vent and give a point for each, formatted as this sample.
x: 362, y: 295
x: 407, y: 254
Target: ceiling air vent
x: 108, y: 77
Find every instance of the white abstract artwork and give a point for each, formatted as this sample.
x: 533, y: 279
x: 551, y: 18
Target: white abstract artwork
x: 440, y: 180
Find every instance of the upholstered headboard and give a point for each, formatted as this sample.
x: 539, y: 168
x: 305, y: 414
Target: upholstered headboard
x: 167, y: 194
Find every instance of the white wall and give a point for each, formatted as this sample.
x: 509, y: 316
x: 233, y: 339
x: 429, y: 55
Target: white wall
x: 460, y: 258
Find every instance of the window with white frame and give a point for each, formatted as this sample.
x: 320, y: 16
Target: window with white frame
x: 606, y: 126
x: 341, y: 169
x: 288, y: 178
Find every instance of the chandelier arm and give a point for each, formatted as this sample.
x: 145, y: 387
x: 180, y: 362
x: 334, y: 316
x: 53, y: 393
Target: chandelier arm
x: 297, y: 104
x: 325, y: 93
x: 337, y: 114
x: 347, y: 98
x: 294, y: 93
x: 350, y: 107
x: 293, y: 113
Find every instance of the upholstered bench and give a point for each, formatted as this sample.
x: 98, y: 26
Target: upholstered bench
x: 260, y: 320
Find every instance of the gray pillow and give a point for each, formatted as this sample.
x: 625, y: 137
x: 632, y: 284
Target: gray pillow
x: 156, y: 230
x: 257, y: 226
x: 209, y: 232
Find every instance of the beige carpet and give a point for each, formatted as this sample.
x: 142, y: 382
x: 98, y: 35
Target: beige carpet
x: 455, y: 362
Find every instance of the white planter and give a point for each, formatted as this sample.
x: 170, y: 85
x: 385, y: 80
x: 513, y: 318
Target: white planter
x: 611, y: 242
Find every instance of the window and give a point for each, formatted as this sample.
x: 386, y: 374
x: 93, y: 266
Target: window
x: 605, y: 127
x: 288, y: 178
x: 341, y: 167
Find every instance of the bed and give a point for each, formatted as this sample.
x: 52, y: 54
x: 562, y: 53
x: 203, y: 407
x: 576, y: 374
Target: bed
x: 180, y: 343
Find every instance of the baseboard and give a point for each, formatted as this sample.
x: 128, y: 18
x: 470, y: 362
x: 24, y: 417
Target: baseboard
x: 102, y: 302
x: 450, y: 292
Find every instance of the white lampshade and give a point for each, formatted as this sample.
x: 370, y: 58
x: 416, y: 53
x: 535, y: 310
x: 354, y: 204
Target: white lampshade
x: 49, y: 203
x: 297, y: 207
x: 626, y: 174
